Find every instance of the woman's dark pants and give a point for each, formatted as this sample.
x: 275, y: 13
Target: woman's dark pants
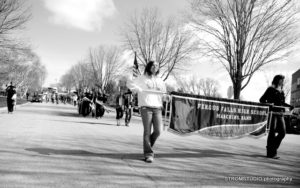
x: 274, y: 141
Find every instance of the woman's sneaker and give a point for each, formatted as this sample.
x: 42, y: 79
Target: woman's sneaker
x: 149, y: 159
x: 274, y: 157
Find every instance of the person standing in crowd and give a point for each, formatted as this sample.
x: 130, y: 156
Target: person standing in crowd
x: 11, y: 97
x: 75, y: 97
x: 27, y: 95
x: 85, y: 105
x: 274, y: 95
x: 119, y: 108
x: 48, y: 96
x: 56, y: 97
x: 150, y: 89
x: 52, y: 97
x: 99, y: 105
x: 127, y: 106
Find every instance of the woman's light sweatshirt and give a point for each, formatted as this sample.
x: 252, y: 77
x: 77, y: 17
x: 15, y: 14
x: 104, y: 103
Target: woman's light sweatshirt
x: 150, y: 90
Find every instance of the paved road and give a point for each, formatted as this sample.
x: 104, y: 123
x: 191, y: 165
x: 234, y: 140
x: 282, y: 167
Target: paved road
x: 49, y: 145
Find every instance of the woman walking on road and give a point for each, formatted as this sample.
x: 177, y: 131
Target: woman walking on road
x: 275, y: 96
x: 150, y: 89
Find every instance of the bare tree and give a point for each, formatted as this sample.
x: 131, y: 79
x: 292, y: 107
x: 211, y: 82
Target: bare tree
x: 195, y: 85
x: 100, y: 68
x: 245, y: 35
x: 210, y: 87
x: 4, y: 64
x: 67, y: 81
x: 23, y: 68
x: 36, y: 76
x: 184, y: 85
x: 167, y: 43
x: 27, y: 72
x: 106, y: 65
x: 13, y: 16
x: 81, y: 74
x: 14, y: 64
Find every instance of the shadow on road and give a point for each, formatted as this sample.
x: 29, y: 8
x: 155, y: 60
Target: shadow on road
x: 53, y: 106
x: 51, y: 113
x: 48, y: 151
x: 86, y: 122
x: 198, y: 154
x: 227, y: 153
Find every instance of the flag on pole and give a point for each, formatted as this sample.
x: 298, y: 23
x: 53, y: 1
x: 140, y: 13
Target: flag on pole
x: 135, y: 68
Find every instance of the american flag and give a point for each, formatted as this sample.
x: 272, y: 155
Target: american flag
x: 135, y: 67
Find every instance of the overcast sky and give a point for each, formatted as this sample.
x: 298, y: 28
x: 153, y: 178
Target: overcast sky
x: 61, y: 32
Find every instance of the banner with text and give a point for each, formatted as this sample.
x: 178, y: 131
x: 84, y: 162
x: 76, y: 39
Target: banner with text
x: 215, y: 117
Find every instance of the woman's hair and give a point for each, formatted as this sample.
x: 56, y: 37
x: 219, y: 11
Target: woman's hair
x: 276, y: 80
x: 148, y: 68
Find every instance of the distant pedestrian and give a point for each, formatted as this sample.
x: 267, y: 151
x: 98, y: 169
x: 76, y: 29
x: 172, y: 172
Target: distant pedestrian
x: 150, y: 89
x: 48, y: 98
x: 52, y: 97
x: 27, y: 96
x: 274, y: 95
x: 75, y: 97
x: 128, y: 106
x: 56, y: 97
x: 11, y: 97
x: 85, y: 106
x: 119, y: 108
x: 99, y: 106
x: 44, y: 98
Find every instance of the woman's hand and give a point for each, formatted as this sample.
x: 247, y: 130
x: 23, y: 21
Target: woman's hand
x: 167, y: 98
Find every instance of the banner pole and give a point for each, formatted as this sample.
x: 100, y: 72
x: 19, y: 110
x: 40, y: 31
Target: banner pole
x: 166, y: 111
x: 269, y: 123
x: 170, y: 111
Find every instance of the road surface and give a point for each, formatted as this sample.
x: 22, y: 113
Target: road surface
x: 49, y: 145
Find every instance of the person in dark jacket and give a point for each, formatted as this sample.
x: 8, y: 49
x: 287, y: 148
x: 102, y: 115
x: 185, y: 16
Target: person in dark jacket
x: 84, y: 106
x: 11, y: 97
x: 119, y: 108
x: 127, y: 106
x: 275, y: 97
x: 99, y: 105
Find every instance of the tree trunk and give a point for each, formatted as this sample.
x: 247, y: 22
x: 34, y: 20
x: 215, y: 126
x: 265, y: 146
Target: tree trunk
x: 237, y: 85
x: 237, y: 90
